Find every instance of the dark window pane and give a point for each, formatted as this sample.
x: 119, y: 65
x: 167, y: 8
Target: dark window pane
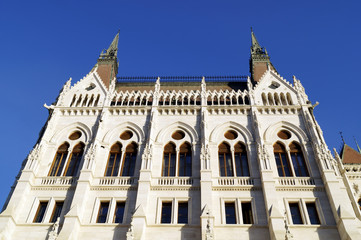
x: 247, y: 213
x: 114, y: 160
x: 119, y: 212
x: 230, y: 210
x: 166, y: 212
x: 129, y: 160
x: 283, y: 166
x: 40, y: 212
x: 295, y: 213
x: 103, y: 212
x: 312, y: 213
x: 59, y: 160
x: 169, y: 160
x: 74, y: 162
x: 183, y: 212
x: 225, y: 160
x: 241, y: 164
x: 57, y: 211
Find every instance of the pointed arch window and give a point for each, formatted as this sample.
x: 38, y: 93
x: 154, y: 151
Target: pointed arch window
x: 283, y: 165
x: 298, y: 161
x: 185, y: 160
x: 59, y: 160
x: 74, y: 162
x: 114, y: 160
x: 241, y: 160
x: 169, y: 160
x: 225, y: 160
x: 129, y: 160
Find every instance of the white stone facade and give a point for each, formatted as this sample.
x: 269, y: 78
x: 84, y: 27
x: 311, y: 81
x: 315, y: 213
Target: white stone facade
x: 257, y: 114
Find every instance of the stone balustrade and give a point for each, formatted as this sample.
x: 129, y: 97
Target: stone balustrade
x: 58, y: 181
x: 114, y: 181
x: 173, y: 181
x: 233, y: 181
x: 296, y: 181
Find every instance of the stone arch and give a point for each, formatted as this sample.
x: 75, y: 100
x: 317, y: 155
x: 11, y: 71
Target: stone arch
x: 113, y: 135
x: 167, y: 131
x: 271, y: 132
x: 217, y: 133
x: 64, y: 132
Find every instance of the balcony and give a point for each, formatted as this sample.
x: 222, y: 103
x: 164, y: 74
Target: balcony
x: 296, y: 181
x: 55, y: 181
x: 233, y: 181
x: 114, y: 181
x: 173, y: 181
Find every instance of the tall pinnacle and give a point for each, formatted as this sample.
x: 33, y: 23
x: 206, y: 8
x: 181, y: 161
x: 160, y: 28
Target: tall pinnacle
x: 255, y: 45
x: 112, y: 51
x: 256, y: 48
x: 259, y: 61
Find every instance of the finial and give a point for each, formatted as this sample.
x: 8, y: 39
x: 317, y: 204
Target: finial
x: 343, y: 140
x: 358, y: 147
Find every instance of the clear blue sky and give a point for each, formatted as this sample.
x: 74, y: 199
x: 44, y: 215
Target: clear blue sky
x: 43, y: 43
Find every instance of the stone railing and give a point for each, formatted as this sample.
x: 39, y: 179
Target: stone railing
x: 296, y: 181
x: 60, y: 181
x: 114, y: 181
x: 172, y: 181
x: 233, y: 181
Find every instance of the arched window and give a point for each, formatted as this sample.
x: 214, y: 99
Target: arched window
x: 298, y: 161
x: 169, y: 160
x: 225, y: 160
x: 129, y: 160
x: 114, y: 160
x: 59, y: 160
x: 185, y: 160
x: 241, y: 160
x: 283, y: 165
x: 74, y: 162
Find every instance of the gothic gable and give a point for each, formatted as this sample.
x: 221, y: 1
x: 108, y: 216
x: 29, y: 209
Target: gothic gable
x: 272, y: 89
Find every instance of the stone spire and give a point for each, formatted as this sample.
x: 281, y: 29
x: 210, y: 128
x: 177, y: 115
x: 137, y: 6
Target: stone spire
x: 112, y: 51
x: 259, y: 61
x: 107, y: 65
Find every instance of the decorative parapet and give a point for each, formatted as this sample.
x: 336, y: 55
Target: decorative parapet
x: 114, y: 181
x: 55, y: 181
x: 296, y: 181
x: 233, y: 181
x: 173, y: 181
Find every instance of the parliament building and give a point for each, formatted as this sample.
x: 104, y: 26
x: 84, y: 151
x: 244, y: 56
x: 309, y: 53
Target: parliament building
x: 183, y: 158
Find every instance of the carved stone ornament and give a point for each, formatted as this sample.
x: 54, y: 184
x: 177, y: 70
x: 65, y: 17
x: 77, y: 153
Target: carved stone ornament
x: 90, y: 155
x: 300, y: 90
x: 53, y: 234
x: 205, y: 156
x: 288, y: 235
x: 209, y: 230
x: 34, y: 153
x: 355, y: 187
x: 63, y: 91
x: 263, y: 156
x: 147, y: 156
x: 130, y: 232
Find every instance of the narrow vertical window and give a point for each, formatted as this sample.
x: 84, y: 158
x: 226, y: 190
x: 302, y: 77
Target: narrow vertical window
x: 57, y: 211
x: 59, y: 160
x: 73, y: 164
x: 247, y: 213
x: 185, y: 160
x: 114, y: 160
x: 312, y: 213
x: 299, y: 164
x: 225, y: 160
x: 241, y: 160
x: 183, y: 212
x: 283, y: 165
x: 119, y: 212
x: 359, y: 203
x: 103, y: 212
x: 40, y: 212
x: 295, y: 213
x: 230, y: 210
x: 166, y: 212
x: 130, y: 158
x: 169, y: 160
